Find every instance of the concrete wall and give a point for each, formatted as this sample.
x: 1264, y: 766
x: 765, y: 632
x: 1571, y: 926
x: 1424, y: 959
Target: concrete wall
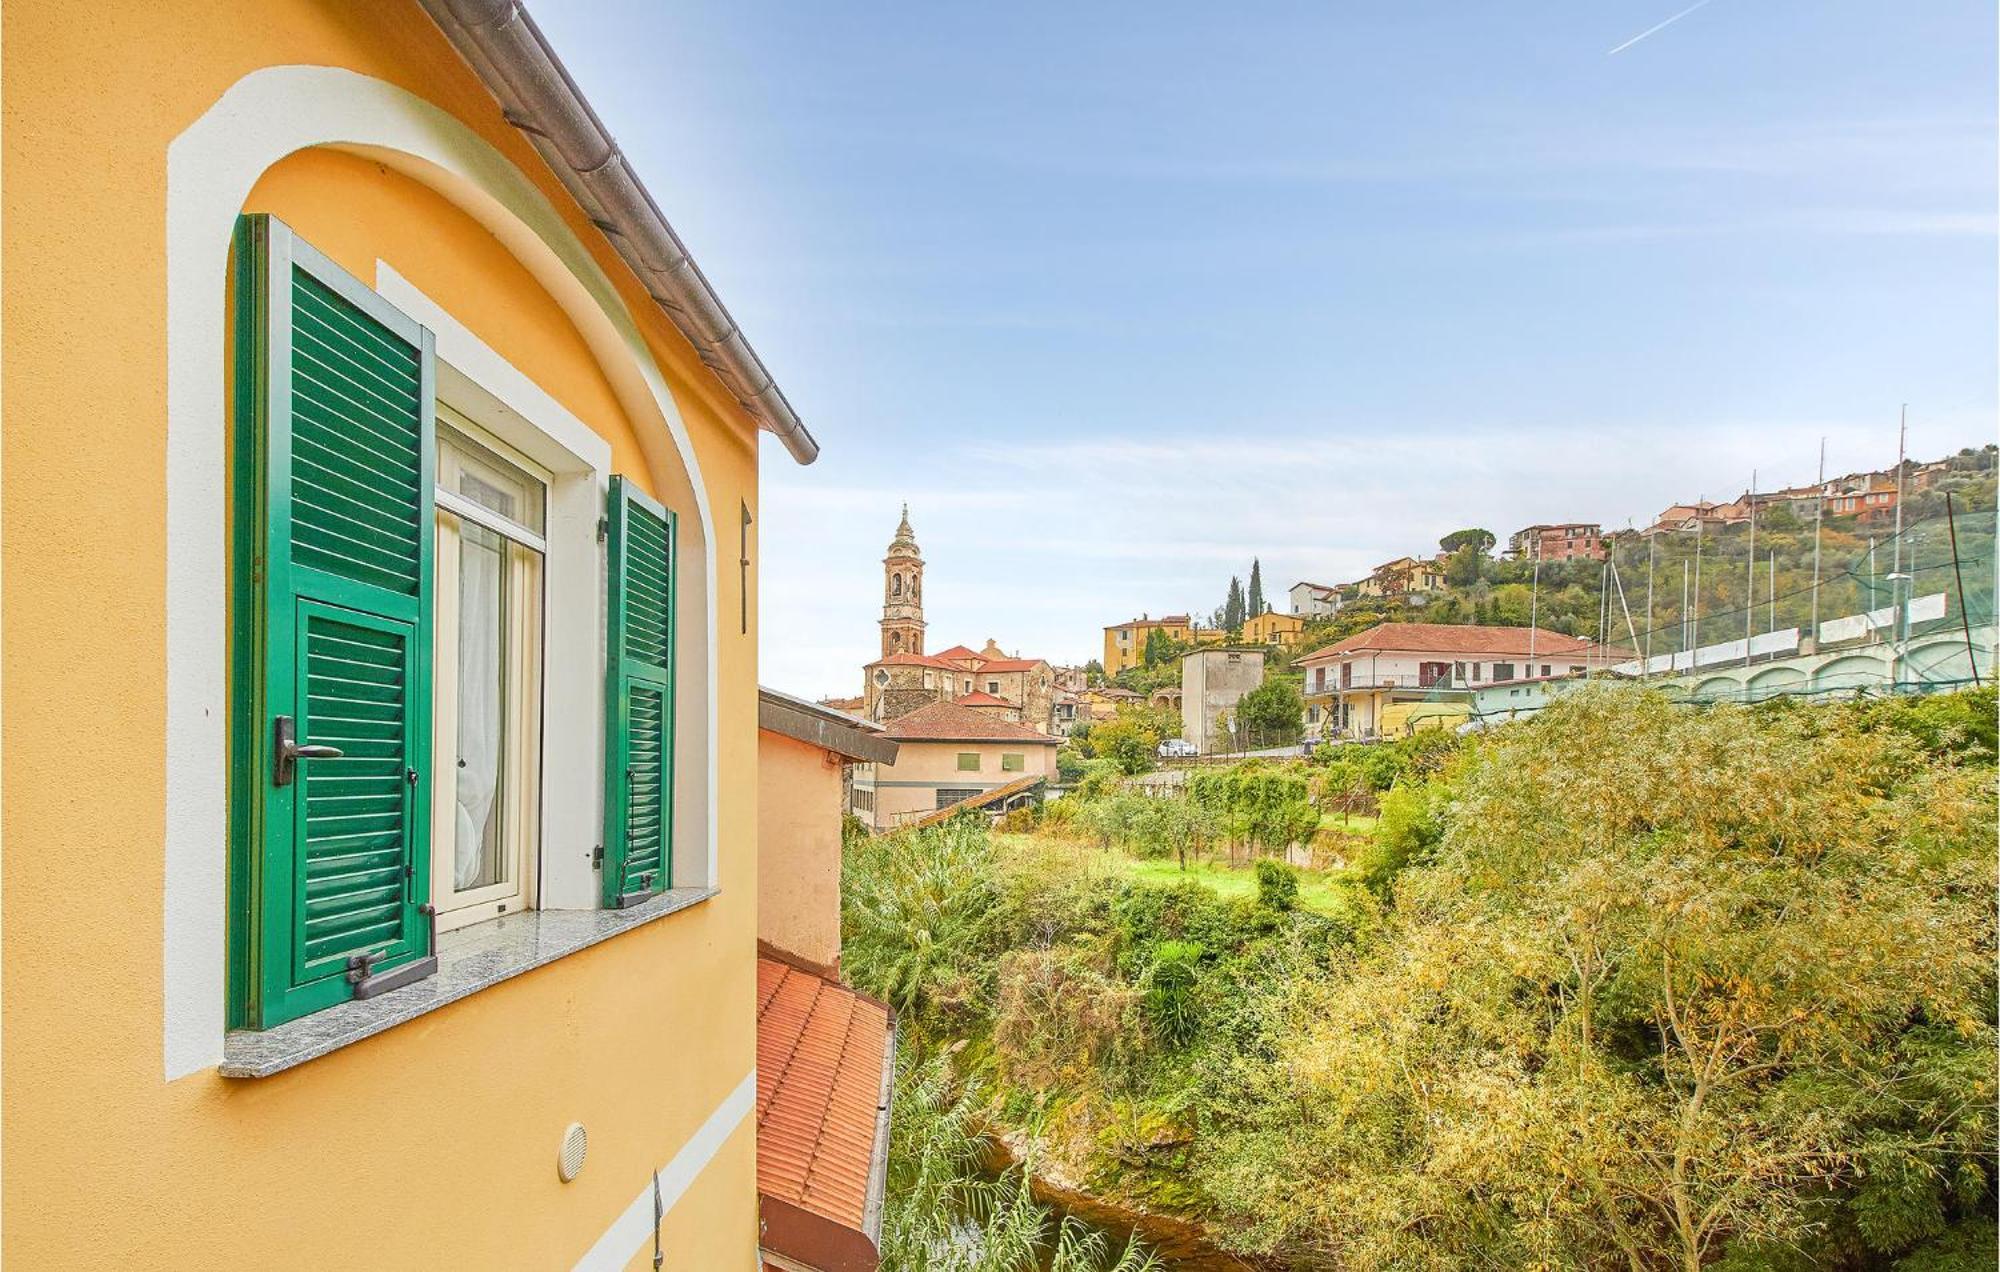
x: 433, y: 1143
x: 908, y: 788
x: 1212, y: 681
x: 799, y: 799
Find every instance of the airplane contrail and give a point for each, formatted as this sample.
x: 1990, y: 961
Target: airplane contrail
x: 1654, y: 30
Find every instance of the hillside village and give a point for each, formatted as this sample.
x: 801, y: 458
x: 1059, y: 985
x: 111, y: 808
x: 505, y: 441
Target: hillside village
x: 1236, y: 885
x: 1470, y: 633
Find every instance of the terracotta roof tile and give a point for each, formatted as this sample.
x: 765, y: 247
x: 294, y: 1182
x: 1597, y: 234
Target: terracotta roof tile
x: 915, y: 660
x: 950, y: 722
x: 1009, y: 664
x: 821, y: 1048
x: 1451, y: 638
x: 980, y: 698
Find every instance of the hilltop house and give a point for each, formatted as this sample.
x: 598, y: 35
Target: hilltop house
x: 1367, y: 685
x: 1125, y: 644
x: 1567, y: 541
x: 1703, y: 514
x: 1403, y: 576
x: 1271, y: 628
x: 946, y: 753
x: 381, y: 619
x: 1315, y: 600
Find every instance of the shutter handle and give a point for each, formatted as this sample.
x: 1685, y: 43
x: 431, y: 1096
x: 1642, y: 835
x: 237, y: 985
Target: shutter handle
x: 286, y: 751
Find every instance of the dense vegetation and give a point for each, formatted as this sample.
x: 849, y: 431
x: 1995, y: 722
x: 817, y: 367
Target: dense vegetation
x: 1630, y: 985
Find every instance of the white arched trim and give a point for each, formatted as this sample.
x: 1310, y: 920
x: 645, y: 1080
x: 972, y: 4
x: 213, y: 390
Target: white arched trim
x: 211, y: 169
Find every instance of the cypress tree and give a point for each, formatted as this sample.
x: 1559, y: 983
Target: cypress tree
x: 1257, y: 605
x: 1232, y: 609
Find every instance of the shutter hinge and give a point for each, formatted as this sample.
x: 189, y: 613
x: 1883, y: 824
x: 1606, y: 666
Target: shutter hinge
x: 603, y: 529
x: 597, y: 856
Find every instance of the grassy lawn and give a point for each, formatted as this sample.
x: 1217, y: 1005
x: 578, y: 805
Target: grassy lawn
x: 1353, y: 824
x: 1318, y: 890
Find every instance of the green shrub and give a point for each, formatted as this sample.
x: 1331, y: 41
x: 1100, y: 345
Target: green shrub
x: 920, y: 917
x: 1962, y: 725
x: 1277, y: 885
x: 1171, y: 983
x: 1410, y: 823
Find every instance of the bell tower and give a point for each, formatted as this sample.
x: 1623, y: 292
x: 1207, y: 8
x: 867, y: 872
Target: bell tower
x: 903, y: 593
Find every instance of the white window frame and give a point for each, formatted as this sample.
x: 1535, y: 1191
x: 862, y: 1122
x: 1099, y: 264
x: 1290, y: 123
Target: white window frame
x: 526, y: 684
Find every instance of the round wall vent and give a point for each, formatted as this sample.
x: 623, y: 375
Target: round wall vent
x: 575, y: 1143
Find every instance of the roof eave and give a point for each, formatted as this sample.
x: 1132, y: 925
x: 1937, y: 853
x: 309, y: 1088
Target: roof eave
x: 509, y: 54
x: 836, y: 731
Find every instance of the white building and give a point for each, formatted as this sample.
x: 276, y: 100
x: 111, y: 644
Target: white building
x: 1354, y: 687
x: 1314, y: 600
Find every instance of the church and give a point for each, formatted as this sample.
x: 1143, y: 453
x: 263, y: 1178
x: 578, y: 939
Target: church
x: 988, y: 680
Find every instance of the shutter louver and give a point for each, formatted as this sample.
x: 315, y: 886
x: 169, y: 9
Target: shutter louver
x: 334, y: 440
x: 639, y: 702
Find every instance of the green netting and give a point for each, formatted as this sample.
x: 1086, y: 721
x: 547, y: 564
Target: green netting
x: 1879, y: 612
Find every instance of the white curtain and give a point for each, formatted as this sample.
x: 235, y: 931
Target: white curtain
x: 480, y: 707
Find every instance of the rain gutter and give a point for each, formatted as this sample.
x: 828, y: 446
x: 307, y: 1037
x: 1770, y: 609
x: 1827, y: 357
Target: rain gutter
x: 502, y: 45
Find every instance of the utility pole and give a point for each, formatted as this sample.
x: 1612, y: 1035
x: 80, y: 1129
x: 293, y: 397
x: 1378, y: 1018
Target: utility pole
x: 1534, y: 600
x: 1750, y: 574
x: 1627, y: 611
x: 1685, y: 645
x: 1647, y: 666
x: 1696, y: 635
x: 1896, y: 575
x: 1964, y: 614
x: 1771, y: 589
x: 1819, y: 516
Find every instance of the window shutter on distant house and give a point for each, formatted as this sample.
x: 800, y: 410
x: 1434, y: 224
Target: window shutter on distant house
x: 331, y: 634
x: 639, y: 698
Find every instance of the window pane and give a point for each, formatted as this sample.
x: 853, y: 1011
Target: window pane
x: 475, y: 473
x: 482, y: 708
x: 968, y: 761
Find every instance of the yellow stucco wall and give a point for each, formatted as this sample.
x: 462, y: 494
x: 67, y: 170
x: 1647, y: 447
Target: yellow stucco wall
x: 434, y: 1143
x: 1272, y: 628
x: 798, y: 848
x: 1129, y: 653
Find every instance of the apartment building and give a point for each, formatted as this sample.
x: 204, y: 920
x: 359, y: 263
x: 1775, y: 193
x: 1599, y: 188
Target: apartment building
x: 1567, y: 541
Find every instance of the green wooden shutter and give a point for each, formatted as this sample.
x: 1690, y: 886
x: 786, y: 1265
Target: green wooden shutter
x: 333, y: 539
x: 638, y: 698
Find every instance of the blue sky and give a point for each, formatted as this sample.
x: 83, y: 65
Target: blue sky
x: 1120, y: 296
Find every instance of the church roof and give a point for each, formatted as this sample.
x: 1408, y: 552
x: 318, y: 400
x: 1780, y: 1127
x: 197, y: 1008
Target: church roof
x: 1009, y: 664
x: 905, y: 542
x: 914, y: 660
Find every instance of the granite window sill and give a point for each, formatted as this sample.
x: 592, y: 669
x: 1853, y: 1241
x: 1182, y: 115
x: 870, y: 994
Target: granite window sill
x: 469, y: 960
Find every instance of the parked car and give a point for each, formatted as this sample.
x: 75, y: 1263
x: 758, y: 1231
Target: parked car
x: 1177, y: 749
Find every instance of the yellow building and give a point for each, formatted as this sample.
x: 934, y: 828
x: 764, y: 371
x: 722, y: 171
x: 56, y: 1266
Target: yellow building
x: 359, y: 401
x: 1125, y: 644
x: 1272, y: 628
x: 1401, y: 577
